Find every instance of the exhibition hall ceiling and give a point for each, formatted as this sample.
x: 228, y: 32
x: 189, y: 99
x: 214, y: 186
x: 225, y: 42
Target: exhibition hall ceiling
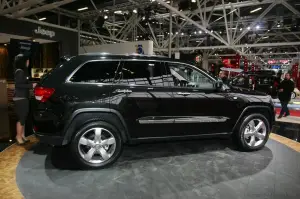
x: 216, y: 26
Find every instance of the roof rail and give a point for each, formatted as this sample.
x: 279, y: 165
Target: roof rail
x: 126, y: 54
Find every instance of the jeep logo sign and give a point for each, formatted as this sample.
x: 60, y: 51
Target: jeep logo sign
x: 42, y: 31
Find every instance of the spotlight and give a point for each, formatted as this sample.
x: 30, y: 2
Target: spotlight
x: 257, y: 27
x: 248, y: 28
x: 134, y: 11
x: 105, y: 17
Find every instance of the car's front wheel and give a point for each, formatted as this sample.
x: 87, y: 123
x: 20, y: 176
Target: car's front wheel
x: 97, y: 145
x: 253, y: 133
x: 293, y: 96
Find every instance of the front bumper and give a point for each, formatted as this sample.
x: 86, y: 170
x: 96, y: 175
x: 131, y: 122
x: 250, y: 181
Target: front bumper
x: 50, y: 139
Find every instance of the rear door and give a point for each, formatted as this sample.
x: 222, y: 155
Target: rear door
x: 142, y: 96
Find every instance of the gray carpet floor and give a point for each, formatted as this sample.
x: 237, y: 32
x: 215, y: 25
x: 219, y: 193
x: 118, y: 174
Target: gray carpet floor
x: 191, y: 169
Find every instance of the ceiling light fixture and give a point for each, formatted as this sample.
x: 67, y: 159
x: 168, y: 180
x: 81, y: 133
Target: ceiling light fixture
x: 248, y: 28
x: 200, y: 32
x: 255, y: 10
x: 42, y: 19
x: 193, y: 1
x: 118, y: 12
x: 105, y: 17
x: 257, y: 27
x: 134, y: 11
x: 82, y: 9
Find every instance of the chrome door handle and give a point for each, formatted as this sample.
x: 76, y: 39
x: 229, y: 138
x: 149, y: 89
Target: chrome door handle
x: 183, y: 93
x: 123, y: 91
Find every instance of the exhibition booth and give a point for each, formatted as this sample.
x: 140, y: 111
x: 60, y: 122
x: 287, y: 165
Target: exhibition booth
x: 43, y: 43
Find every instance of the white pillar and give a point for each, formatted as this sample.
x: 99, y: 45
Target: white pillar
x: 170, y: 32
x: 78, y: 29
x: 205, y: 61
x: 177, y: 55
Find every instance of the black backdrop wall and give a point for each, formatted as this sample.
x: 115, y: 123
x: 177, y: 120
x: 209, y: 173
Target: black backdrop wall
x: 16, y: 47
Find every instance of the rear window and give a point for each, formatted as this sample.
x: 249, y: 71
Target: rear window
x: 63, y: 62
x: 96, y: 72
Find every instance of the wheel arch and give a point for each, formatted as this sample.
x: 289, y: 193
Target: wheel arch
x: 86, y: 115
x: 264, y: 110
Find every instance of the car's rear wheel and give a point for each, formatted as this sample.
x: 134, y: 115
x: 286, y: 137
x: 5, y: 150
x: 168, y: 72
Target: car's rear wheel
x: 97, y: 145
x: 253, y: 133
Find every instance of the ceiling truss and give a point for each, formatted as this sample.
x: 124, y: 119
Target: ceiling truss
x: 211, y: 27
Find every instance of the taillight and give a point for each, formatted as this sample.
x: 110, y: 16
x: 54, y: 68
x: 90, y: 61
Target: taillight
x: 43, y: 94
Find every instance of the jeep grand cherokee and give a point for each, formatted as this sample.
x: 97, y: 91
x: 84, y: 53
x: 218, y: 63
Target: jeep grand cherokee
x: 96, y: 103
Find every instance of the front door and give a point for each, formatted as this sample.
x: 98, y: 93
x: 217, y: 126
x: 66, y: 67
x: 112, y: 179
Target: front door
x: 142, y: 96
x: 201, y: 108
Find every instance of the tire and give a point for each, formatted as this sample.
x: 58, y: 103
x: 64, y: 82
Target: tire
x: 87, y: 135
x: 293, y: 96
x: 243, y: 131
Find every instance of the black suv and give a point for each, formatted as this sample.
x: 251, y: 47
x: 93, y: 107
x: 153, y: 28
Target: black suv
x: 96, y: 103
x: 262, y: 81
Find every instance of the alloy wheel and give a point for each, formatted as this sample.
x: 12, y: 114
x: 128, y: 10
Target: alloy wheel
x: 293, y: 96
x: 255, y: 133
x: 97, y: 145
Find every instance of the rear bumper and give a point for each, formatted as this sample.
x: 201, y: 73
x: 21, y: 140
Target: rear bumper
x: 50, y: 139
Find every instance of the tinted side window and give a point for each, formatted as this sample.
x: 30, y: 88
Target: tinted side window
x: 96, y: 72
x: 184, y: 76
x: 142, y: 73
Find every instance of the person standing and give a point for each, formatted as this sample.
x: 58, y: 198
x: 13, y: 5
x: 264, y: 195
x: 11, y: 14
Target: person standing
x: 286, y: 87
x: 223, y: 77
x: 21, y: 95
